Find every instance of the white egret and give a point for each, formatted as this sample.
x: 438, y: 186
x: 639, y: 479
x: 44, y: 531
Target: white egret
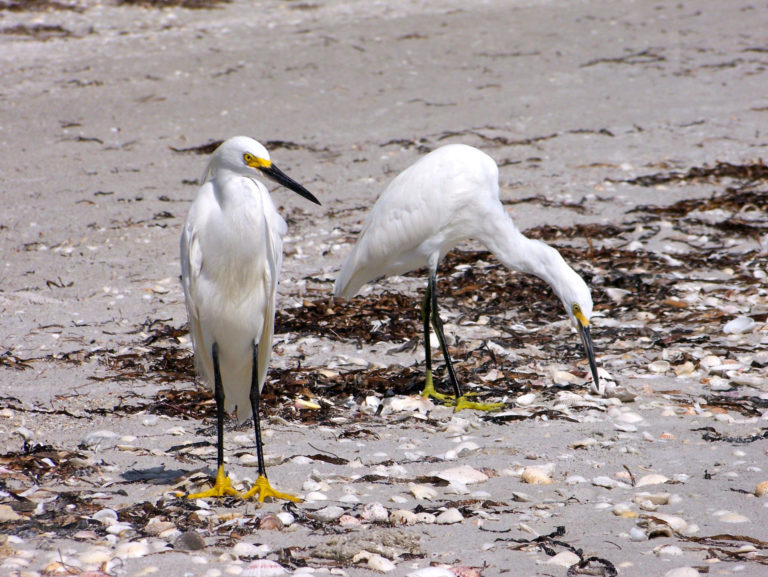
x: 231, y: 252
x: 450, y: 195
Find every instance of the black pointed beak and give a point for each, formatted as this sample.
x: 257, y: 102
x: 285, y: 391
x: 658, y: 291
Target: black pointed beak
x: 281, y: 178
x: 586, y: 340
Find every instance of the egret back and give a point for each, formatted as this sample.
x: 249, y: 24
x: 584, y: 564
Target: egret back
x: 423, y: 213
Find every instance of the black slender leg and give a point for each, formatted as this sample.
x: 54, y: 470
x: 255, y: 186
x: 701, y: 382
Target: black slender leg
x: 425, y: 314
x: 438, y: 324
x: 218, y: 395
x: 255, y: 407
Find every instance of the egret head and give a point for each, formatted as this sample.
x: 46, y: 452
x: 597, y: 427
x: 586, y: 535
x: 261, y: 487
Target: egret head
x: 578, y: 302
x: 247, y: 157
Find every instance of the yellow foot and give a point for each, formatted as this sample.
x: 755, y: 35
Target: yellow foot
x: 221, y: 488
x: 264, y: 490
x: 461, y: 403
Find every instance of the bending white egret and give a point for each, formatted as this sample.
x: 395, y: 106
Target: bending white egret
x: 231, y: 252
x: 450, y: 195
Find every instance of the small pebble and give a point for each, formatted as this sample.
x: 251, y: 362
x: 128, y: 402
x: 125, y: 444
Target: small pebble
x: 762, y: 489
x: 189, y: 541
x: 326, y: 514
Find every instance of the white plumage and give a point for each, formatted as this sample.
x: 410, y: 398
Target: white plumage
x: 231, y: 253
x: 450, y: 195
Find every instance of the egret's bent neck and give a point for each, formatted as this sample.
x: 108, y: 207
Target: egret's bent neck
x: 523, y: 254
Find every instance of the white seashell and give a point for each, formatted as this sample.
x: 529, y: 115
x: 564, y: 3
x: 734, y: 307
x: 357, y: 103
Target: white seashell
x: 564, y: 378
x: 431, y: 572
x: 575, y: 480
x: 8, y: 514
x: 349, y: 498
x: 374, y: 561
x: 684, y: 369
x: 739, y: 325
x: 655, y: 498
x: 651, y: 479
x: 464, y: 475
x: 536, y: 476
x: 677, y: 523
x: 349, y: 521
x: 327, y: 514
x: 428, y: 518
x: 564, y: 559
x: 286, y: 517
x: 249, y: 460
x: 583, y: 443
x: 422, y: 491
x: 156, y: 526
x: 313, y: 496
x: 659, y: 367
x: 637, y: 534
x: 119, y: 529
x: 682, y: 572
x: 105, y: 516
x: 449, y: 517
x: 525, y: 400
x: 461, y: 450
x: 411, y: 403
x: 96, y: 439
x: 668, y: 551
x: 730, y: 517
x: 374, y: 513
x: 96, y: 556
x: 624, y: 510
x: 243, y: 549
x: 132, y: 550
x: 607, y: 482
x: 263, y: 568
x: 402, y: 517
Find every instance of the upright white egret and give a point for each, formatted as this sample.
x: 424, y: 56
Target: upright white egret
x: 231, y: 252
x: 450, y: 195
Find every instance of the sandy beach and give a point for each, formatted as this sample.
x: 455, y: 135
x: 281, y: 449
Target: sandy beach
x: 629, y: 135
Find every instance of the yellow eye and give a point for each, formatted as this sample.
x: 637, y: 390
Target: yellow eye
x: 248, y: 158
x: 576, y: 309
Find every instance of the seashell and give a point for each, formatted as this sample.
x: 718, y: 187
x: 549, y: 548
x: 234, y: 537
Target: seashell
x: 583, y: 443
x: 637, y: 534
x: 243, y: 549
x: 676, y: 523
x: 374, y: 513
x: 427, y: 518
x: 730, y: 517
x: 402, y: 517
x: 575, y: 480
x: 653, y: 498
x: 431, y: 572
x: 286, y: 517
x: 606, y: 482
x: 659, y: 367
x: 422, y: 491
x: 536, y: 476
x: 464, y: 475
x: 651, y: 479
x: 525, y: 400
x: 132, y: 550
x: 410, y: 403
x: 624, y: 510
x: 8, y: 514
x: 105, y: 516
x: 449, y: 517
x: 374, y: 561
x: 762, y: 489
x: 96, y: 439
x: 564, y: 559
x: 263, y: 568
x: 271, y: 522
x: 565, y: 378
x: 461, y: 449
x: 119, y: 529
x: 739, y: 325
x: 157, y: 526
x: 314, y: 496
x: 683, y: 572
x: 349, y: 521
x: 326, y: 514
x: 668, y: 551
x: 684, y: 369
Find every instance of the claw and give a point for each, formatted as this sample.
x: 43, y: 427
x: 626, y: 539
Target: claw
x: 459, y: 404
x: 221, y: 488
x: 264, y: 490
